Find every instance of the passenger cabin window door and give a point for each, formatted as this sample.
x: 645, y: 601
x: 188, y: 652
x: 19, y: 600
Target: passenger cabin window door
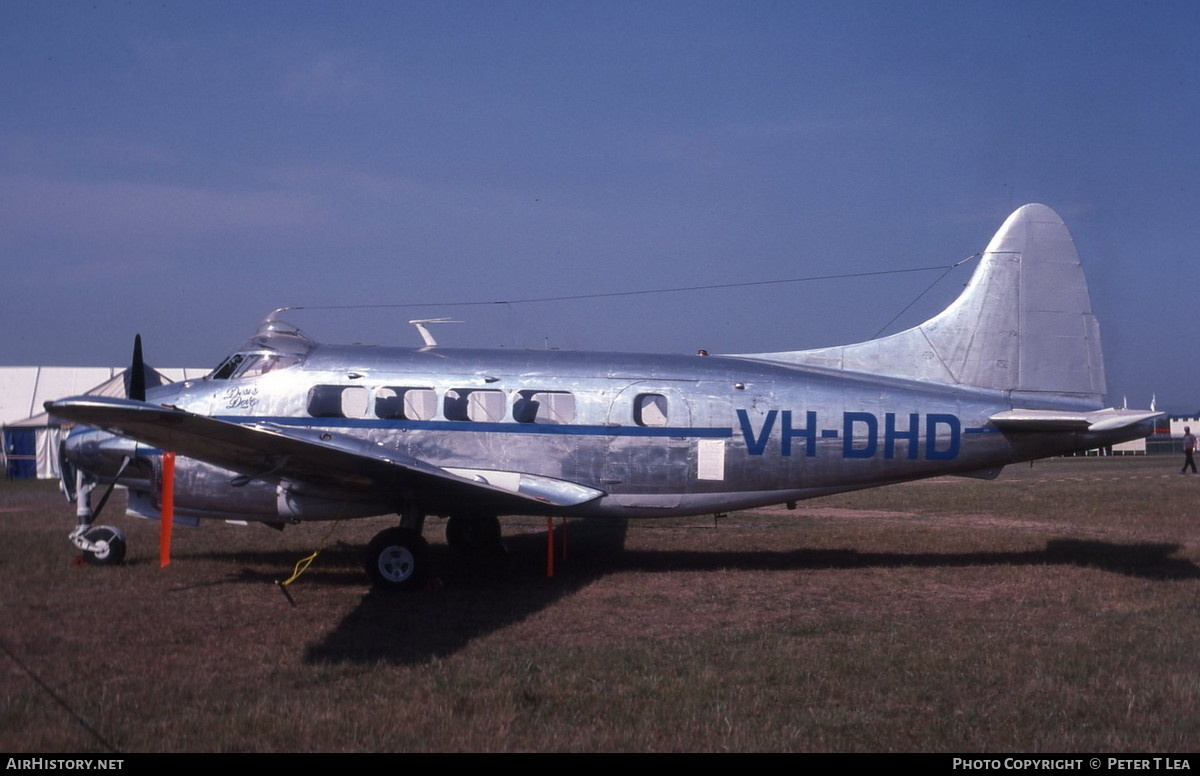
x: 400, y: 403
x: 355, y: 401
x: 477, y: 406
x: 420, y: 404
x: 338, y: 401
x: 485, y: 406
x: 650, y: 409
x: 551, y: 407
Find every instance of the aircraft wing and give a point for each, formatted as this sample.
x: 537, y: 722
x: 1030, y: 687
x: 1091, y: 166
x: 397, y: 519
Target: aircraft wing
x: 1056, y: 420
x: 312, y: 456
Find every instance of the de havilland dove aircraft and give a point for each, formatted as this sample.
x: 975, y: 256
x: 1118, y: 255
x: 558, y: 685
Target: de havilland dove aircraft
x: 287, y: 429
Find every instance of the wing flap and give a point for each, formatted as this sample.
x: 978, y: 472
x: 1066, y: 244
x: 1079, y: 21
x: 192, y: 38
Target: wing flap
x: 311, y: 455
x: 535, y: 486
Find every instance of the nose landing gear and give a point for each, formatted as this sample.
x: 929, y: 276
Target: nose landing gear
x: 102, y: 545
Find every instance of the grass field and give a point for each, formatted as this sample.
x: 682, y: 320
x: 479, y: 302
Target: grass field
x: 1054, y: 609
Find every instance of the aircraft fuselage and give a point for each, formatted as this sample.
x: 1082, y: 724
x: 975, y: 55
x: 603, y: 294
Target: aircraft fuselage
x: 656, y: 435
x: 290, y: 429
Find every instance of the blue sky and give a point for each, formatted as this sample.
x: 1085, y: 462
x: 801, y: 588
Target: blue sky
x: 180, y: 169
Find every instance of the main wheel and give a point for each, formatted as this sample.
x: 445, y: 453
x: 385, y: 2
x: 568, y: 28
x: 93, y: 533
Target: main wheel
x: 110, y: 546
x: 475, y: 535
x: 397, y: 559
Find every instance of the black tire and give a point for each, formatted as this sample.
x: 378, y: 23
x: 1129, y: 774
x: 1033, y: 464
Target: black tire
x: 475, y: 536
x: 112, y: 546
x: 397, y: 559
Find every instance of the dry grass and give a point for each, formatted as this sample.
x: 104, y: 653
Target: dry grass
x: 1054, y: 609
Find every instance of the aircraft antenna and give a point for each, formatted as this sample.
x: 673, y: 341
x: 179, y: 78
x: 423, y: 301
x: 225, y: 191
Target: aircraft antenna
x: 430, y: 342
x: 612, y: 294
x: 917, y: 298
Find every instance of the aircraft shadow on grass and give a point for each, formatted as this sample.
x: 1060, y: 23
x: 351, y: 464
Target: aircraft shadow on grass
x: 475, y: 601
x: 412, y: 629
x: 1144, y: 560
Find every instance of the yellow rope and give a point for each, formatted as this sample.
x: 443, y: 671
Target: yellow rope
x: 303, y: 564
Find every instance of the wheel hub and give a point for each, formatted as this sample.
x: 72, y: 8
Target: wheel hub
x: 396, y: 563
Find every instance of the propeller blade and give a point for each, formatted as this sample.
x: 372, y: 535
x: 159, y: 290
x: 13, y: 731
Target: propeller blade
x: 137, y: 372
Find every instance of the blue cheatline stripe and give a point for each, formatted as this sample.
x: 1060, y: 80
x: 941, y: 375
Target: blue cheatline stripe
x: 980, y: 430
x: 478, y: 427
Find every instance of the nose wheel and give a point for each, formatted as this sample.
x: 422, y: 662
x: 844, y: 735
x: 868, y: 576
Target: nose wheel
x: 102, y: 545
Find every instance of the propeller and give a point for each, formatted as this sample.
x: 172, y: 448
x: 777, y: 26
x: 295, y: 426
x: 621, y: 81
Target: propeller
x: 135, y: 388
x: 137, y: 391
x: 137, y: 372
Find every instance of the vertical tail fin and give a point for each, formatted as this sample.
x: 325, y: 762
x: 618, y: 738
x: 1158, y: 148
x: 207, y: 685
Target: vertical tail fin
x: 1023, y: 324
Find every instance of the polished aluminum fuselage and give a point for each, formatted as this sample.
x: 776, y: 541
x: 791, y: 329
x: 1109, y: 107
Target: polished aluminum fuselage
x: 738, y: 432
x: 1012, y: 370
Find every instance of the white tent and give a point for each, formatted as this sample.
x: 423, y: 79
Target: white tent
x: 31, y: 437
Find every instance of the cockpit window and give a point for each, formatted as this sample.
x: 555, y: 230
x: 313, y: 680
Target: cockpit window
x: 261, y: 363
x: 227, y: 367
x: 251, y: 365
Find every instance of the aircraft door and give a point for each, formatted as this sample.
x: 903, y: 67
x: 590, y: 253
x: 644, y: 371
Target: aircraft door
x: 646, y: 465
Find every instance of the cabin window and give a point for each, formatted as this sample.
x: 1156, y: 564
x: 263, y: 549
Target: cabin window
x: 356, y: 399
x: 544, y: 407
x: 650, y: 409
x: 406, y: 403
x: 338, y: 401
x: 485, y: 405
x: 478, y: 406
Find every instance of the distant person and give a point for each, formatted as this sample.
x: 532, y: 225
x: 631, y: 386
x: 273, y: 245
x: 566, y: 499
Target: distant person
x: 1189, y: 447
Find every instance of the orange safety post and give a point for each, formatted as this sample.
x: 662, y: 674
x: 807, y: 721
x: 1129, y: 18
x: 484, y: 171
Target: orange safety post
x: 549, y: 548
x: 168, y: 509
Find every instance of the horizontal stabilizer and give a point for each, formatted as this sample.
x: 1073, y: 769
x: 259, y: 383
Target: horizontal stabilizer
x: 1054, y: 420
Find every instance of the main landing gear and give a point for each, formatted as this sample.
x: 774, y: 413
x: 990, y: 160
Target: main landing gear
x: 398, y: 558
x: 475, y: 536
